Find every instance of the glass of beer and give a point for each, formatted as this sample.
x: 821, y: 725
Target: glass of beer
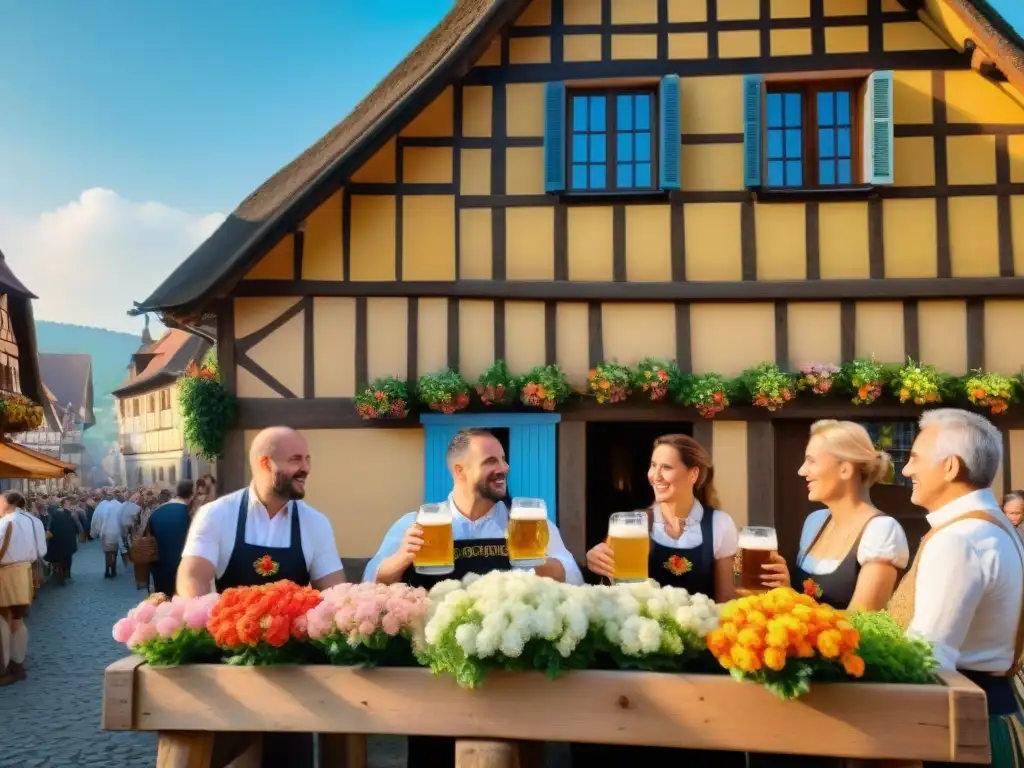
x: 631, y: 543
x: 437, y: 555
x: 528, y: 533
x: 754, y: 550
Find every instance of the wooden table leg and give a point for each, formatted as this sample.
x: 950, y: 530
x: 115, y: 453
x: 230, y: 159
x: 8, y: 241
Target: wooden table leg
x: 486, y: 754
x: 184, y: 749
x: 342, y: 750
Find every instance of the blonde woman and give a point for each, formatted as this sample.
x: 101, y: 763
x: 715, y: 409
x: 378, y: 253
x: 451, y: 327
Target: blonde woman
x: 850, y: 552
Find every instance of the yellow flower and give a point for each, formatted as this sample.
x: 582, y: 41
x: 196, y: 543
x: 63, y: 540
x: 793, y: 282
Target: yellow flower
x: 730, y: 631
x: 802, y: 613
x: 778, y: 635
x: 732, y: 611
x: 775, y: 658
x: 757, y: 619
x: 717, y: 642
x: 744, y: 659
x: 750, y: 639
x: 830, y: 643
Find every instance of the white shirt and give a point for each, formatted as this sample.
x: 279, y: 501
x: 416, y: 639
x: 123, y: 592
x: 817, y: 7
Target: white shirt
x: 969, y: 587
x: 493, y: 525
x: 129, y: 513
x: 22, y: 548
x: 723, y: 530
x: 884, y: 540
x: 38, y: 531
x: 212, y: 533
x: 106, y: 522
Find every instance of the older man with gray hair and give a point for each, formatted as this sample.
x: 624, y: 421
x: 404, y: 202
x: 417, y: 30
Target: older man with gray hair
x: 964, y: 592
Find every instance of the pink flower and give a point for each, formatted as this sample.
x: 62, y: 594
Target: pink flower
x: 167, y: 626
x: 196, y: 615
x: 345, y: 618
x: 367, y: 628
x: 144, y: 613
x: 123, y: 630
x: 391, y: 624
x: 301, y: 626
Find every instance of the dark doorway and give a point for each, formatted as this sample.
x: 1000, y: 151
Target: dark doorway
x: 618, y: 455
x: 891, y: 497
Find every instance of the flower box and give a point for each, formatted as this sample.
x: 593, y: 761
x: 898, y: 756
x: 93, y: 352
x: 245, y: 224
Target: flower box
x: 866, y: 721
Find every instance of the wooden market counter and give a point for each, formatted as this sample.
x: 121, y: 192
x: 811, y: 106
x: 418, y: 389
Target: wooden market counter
x: 189, y: 705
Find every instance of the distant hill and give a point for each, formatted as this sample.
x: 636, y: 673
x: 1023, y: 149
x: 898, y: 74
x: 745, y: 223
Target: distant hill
x: 111, y: 353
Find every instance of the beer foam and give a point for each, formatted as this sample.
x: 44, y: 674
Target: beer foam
x: 434, y: 518
x: 627, y: 531
x: 752, y: 541
x: 528, y: 513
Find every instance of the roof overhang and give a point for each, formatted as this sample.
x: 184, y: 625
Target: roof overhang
x: 17, y: 461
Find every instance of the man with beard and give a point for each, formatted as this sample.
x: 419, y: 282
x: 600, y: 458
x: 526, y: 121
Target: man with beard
x: 479, y: 471
x: 262, y: 534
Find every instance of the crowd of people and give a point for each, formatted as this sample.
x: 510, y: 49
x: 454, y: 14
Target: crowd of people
x: 40, y: 533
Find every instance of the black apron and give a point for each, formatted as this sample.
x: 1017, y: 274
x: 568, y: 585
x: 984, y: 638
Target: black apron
x: 480, y: 556
x: 693, y: 570
x: 251, y: 565
x: 835, y: 588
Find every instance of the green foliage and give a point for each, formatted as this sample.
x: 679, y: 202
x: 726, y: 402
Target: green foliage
x: 863, y: 380
x: 187, y: 646
x: 922, y: 384
x: 496, y: 386
x: 386, y: 398
x: 658, y: 379
x: 889, y: 655
x: 445, y: 391
x: 767, y: 386
x: 546, y: 386
x: 708, y: 393
x: 610, y: 382
x: 208, y: 411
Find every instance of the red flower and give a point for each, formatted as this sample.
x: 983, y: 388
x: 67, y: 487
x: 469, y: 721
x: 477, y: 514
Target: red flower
x: 678, y: 565
x: 266, y: 566
x: 811, y: 588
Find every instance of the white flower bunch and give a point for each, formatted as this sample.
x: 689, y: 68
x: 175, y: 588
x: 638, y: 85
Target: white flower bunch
x: 644, y: 618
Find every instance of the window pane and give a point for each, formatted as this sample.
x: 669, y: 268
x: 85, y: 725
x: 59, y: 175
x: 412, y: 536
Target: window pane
x: 625, y: 177
x: 579, y: 113
x: 845, y: 175
x: 843, y: 108
x: 597, y: 113
x: 776, y: 177
x: 793, y: 108
x: 826, y: 113
x: 598, y: 177
x: 826, y: 172
x: 793, y: 143
x: 775, y: 149
x: 643, y: 175
x: 579, y: 147
x: 598, y: 144
x: 579, y: 177
x: 643, y: 112
x: 774, y: 110
x: 843, y: 144
x: 643, y: 147
x: 624, y: 111
x: 827, y: 142
x: 794, y: 173
x: 625, y: 146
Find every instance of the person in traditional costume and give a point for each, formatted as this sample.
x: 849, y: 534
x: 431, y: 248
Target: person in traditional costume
x: 63, y: 542
x: 231, y: 541
x: 106, y: 526
x: 480, y: 518
x: 169, y: 525
x: 850, y: 553
x: 964, y: 592
x: 693, y: 546
x: 18, y: 551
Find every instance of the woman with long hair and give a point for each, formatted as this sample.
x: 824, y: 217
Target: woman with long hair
x: 204, y: 492
x: 850, y: 552
x: 692, y: 546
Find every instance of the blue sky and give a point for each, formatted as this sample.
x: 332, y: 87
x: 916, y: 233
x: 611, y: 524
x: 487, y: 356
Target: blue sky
x: 128, y: 128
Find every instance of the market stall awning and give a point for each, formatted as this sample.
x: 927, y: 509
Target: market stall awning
x: 17, y: 461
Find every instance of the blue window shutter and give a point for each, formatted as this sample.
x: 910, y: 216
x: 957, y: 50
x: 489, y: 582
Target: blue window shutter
x: 752, y: 88
x: 437, y: 480
x: 878, y: 120
x: 670, y: 132
x: 554, y: 137
x: 532, y: 462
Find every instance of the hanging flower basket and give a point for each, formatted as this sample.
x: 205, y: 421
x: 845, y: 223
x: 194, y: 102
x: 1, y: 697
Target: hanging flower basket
x: 817, y: 377
x: 208, y: 410
x: 18, y: 413
x: 496, y: 386
x: 657, y: 379
x: 386, y: 398
x: 443, y: 391
x: 864, y: 379
x: 990, y: 390
x: 610, y: 382
x: 708, y: 393
x: 545, y: 387
x: 768, y: 386
x: 920, y: 384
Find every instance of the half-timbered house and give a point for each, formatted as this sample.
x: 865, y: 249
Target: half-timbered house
x: 720, y: 182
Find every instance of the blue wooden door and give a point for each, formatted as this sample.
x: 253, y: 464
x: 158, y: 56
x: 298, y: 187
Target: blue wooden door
x: 531, y: 458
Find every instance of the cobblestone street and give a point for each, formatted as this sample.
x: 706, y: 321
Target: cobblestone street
x: 52, y: 718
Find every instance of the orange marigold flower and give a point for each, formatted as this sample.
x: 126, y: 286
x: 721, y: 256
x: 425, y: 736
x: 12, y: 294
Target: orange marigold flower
x: 830, y: 643
x: 774, y: 658
x: 853, y: 664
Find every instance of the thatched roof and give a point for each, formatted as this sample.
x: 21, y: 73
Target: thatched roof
x: 448, y: 51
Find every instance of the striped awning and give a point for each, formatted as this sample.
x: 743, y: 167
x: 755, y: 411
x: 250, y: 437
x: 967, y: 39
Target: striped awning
x: 17, y: 461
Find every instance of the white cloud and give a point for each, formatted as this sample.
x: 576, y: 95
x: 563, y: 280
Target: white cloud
x: 87, y: 261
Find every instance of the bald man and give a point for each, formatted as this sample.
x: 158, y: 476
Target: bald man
x: 262, y: 533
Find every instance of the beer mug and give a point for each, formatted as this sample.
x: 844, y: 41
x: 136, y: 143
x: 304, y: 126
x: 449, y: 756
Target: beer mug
x: 754, y: 550
x: 527, y: 533
x: 437, y: 555
x: 630, y: 540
